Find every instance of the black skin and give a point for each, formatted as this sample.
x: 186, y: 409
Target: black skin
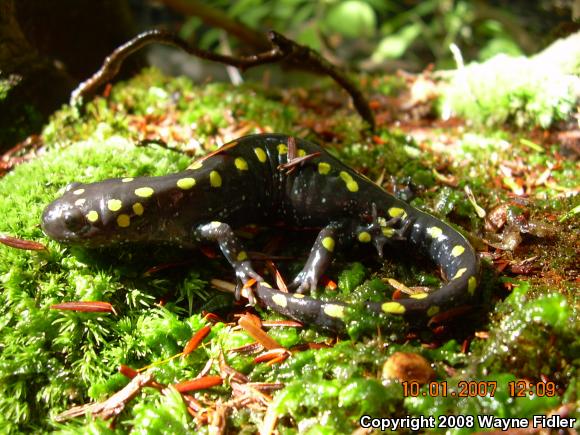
x: 256, y: 180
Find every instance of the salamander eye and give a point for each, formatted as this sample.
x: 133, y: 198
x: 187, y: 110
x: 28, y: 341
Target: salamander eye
x: 75, y: 222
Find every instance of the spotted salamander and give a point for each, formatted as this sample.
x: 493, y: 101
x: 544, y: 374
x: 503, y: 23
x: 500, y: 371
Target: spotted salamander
x: 260, y: 179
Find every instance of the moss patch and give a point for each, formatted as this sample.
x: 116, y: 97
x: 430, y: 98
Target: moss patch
x: 519, y: 91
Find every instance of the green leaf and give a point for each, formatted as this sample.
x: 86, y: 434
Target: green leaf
x: 394, y: 46
x: 352, y: 19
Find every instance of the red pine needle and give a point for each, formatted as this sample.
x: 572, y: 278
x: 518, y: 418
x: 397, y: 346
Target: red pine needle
x: 198, y: 384
x: 328, y: 283
x: 85, y: 306
x: 279, y: 280
x: 127, y: 371
x: 195, y: 341
x: 17, y: 243
x: 258, y: 334
x: 274, y: 355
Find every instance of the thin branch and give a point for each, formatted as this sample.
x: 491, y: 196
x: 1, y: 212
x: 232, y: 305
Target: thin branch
x: 283, y: 49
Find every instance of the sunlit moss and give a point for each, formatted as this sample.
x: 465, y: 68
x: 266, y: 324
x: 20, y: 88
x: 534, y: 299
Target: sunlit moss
x: 507, y: 90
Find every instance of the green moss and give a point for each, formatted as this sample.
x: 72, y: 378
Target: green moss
x: 534, y: 337
x: 397, y: 156
x: 529, y: 316
x: 286, y: 337
x: 172, y: 110
x: 166, y: 414
x: 352, y: 277
x: 329, y: 383
x: 516, y: 90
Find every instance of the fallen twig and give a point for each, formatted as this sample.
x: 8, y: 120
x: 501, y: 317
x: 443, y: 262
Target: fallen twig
x: 114, y: 405
x: 283, y: 49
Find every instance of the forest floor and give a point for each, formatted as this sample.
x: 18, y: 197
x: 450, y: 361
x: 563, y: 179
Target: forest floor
x: 510, y: 186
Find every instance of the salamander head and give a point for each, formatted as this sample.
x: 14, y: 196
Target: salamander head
x: 93, y: 215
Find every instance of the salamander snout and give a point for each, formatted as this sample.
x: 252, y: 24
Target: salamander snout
x: 64, y: 223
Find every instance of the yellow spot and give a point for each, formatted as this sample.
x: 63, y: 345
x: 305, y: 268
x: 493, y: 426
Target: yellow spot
x: 435, y: 232
x: 282, y: 149
x: 328, y: 243
x: 350, y: 183
x: 215, y: 179
x: 241, y: 164
x: 460, y: 273
x: 92, y: 216
x: 471, y: 284
x: 393, y: 308
x: 78, y: 191
x: 345, y: 176
x: 334, y: 310
x: 323, y: 168
x: 186, y: 183
x: 280, y: 300
x: 80, y: 202
x: 265, y: 284
x: 388, y: 232
x: 123, y: 220
x: 215, y: 224
x: 114, y: 204
x: 144, y: 192
x: 364, y: 237
x: 301, y: 152
x: 195, y: 165
x: 298, y: 295
x: 395, y: 212
x: 260, y: 154
x: 419, y: 295
x: 433, y: 310
x: 457, y: 250
x: 126, y: 180
x: 138, y: 208
x: 242, y: 256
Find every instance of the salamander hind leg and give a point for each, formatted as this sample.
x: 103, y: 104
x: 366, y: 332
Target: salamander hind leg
x: 223, y: 234
x: 378, y: 231
x: 319, y: 258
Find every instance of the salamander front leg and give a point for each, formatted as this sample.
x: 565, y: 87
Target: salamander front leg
x: 231, y: 248
x: 319, y: 259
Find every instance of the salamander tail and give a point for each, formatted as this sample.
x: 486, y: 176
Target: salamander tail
x: 450, y: 251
